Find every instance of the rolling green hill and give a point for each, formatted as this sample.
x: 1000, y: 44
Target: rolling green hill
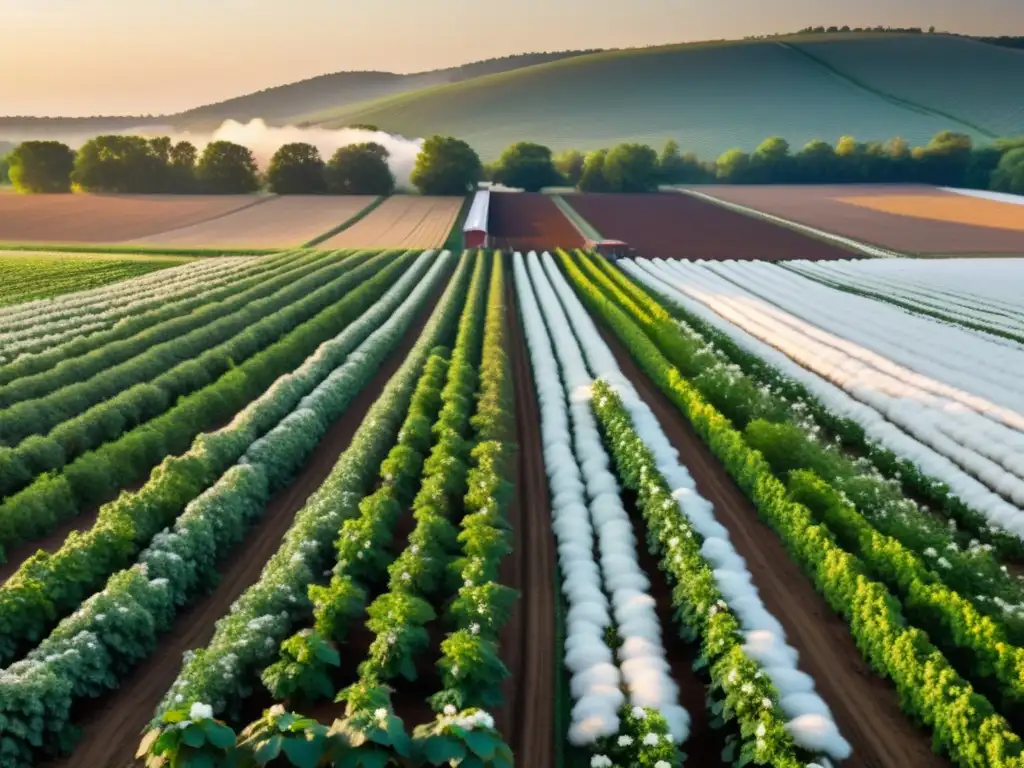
x: 714, y: 96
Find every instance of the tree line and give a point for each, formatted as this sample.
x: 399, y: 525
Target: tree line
x: 449, y: 166
x: 949, y: 159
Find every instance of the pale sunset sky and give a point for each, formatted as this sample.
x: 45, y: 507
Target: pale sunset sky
x: 84, y: 57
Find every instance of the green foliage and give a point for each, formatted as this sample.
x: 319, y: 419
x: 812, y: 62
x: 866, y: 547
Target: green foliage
x: 189, y: 740
x: 296, y: 169
x: 732, y: 166
x: 446, y: 166
x: 360, y: 169
x: 370, y: 735
x: 282, y: 738
x: 123, y: 164
x: 1009, y: 174
x: 41, y: 167
x: 570, y: 165
x: 226, y: 168
x: 592, y: 178
x: 29, y: 277
x: 5, y: 166
x: 303, y: 672
x: 465, y: 738
x: 631, y: 168
x: 526, y: 165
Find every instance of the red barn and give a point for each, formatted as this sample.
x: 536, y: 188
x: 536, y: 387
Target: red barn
x: 474, y: 232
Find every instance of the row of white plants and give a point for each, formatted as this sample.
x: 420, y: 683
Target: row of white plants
x: 965, y: 291
x: 596, y: 676
x: 987, y: 449
x: 18, y: 316
x: 119, y: 626
x: 709, y: 306
x: 955, y: 364
x: 810, y: 720
x: 45, y: 330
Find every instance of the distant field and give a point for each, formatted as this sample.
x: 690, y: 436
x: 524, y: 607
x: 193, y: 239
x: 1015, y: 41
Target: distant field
x: 963, y: 78
x: 29, y: 276
x: 282, y: 222
x: 402, y: 221
x: 525, y: 221
x: 710, y: 97
x: 108, y: 218
x: 943, y: 206
x: 823, y: 207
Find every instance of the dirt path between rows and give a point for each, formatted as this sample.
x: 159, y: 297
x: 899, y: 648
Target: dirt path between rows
x: 112, y: 725
x: 528, y: 640
x: 865, y: 707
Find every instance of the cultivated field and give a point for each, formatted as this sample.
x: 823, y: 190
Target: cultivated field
x: 282, y: 222
x: 944, y: 206
x: 107, y: 218
x: 524, y: 221
x: 823, y: 207
x: 402, y: 221
x: 532, y: 509
x: 675, y: 226
x: 25, y: 276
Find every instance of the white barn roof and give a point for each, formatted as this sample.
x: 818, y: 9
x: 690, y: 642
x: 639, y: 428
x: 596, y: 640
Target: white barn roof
x: 476, y: 220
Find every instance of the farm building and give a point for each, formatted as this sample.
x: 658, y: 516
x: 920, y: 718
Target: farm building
x: 474, y: 232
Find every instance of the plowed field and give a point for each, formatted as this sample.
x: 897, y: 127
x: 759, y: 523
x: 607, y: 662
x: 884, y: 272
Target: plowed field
x: 529, y: 221
x: 913, y: 219
x: 675, y: 226
x: 281, y: 223
x: 108, y: 218
x: 403, y: 221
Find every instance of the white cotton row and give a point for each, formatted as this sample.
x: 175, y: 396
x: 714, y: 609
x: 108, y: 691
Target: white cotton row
x: 642, y: 656
x: 942, y: 359
x: 70, y: 323
x: 973, y: 493
x: 810, y: 721
x: 595, y: 678
x: 986, y: 450
x: 990, y: 312
x: 17, y: 315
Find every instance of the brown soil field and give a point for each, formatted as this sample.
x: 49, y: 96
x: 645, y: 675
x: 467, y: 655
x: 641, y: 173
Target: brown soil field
x: 112, y: 725
x: 822, y: 207
x: 676, y: 226
x: 865, y: 707
x: 402, y: 221
x: 528, y: 640
x: 108, y: 218
x: 945, y: 206
x: 525, y: 221
x: 283, y: 222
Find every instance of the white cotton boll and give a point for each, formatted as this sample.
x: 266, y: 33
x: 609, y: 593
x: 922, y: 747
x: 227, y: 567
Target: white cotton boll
x: 678, y: 720
x: 648, y: 678
x: 753, y: 615
x: 638, y: 648
x: 788, y: 680
x: 721, y: 554
x: 734, y: 584
x: 819, y: 734
x: 619, y: 563
x: 629, y: 602
x: 589, y: 729
x: 621, y: 536
x: 797, y: 704
x: 769, y: 649
x: 631, y: 581
x: 589, y: 652
x: 596, y: 678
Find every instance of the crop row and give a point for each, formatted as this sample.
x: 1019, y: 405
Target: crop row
x: 47, y: 586
x: 810, y: 724
x: 116, y: 628
x: 59, y: 325
x: 964, y: 724
x: 613, y: 643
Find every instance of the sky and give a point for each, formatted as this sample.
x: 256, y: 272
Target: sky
x: 88, y: 57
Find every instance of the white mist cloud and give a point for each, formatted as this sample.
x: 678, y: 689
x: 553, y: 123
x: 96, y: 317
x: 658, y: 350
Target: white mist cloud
x: 265, y: 140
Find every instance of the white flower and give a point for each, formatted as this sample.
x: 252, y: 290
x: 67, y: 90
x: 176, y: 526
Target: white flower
x: 600, y: 761
x: 450, y: 710
x: 651, y: 740
x: 639, y: 713
x: 662, y: 764
x: 474, y: 628
x: 766, y: 703
x: 625, y: 741
x: 381, y: 714
x: 761, y: 731
x: 200, y: 712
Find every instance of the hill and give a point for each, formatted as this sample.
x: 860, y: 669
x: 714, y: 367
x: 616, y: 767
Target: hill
x: 714, y: 96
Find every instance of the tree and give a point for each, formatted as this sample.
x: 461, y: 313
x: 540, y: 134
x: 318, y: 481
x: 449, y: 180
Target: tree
x: 360, y: 169
x: 226, y: 168
x: 944, y: 160
x: 592, y: 179
x: 5, y: 166
x: 182, y: 168
x: 816, y: 162
x: 570, y: 165
x: 126, y: 164
x: 526, y: 165
x: 631, y: 168
x: 446, y: 166
x: 732, y: 166
x: 364, y: 127
x: 671, y: 166
x: 770, y: 162
x: 297, y: 169
x: 1009, y: 174
x: 41, y: 167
